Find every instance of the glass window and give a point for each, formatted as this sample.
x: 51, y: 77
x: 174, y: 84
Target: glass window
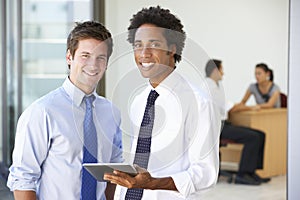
x: 32, y: 63
x: 10, y: 71
x: 1, y: 78
x: 46, y: 25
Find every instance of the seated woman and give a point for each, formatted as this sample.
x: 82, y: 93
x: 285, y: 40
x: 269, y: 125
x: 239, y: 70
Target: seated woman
x: 265, y: 91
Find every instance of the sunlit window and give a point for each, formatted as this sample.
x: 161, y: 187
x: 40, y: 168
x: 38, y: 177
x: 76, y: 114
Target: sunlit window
x: 46, y: 25
x: 34, y: 50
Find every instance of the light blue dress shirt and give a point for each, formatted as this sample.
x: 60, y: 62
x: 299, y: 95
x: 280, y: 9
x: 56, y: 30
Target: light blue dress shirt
x: 48, y: 151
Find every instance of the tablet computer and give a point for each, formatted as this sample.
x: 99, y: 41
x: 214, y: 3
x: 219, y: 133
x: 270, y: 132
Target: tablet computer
x: 99, y: 169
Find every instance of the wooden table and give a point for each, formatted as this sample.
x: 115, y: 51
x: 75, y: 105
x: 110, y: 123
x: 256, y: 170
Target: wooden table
x: 274, y: 123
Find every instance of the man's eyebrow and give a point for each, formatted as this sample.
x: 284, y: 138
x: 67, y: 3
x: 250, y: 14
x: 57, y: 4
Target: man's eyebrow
x: 91, y: 54
x: 151, y: 40
x: 102, y: 55
x: 85, y: 52
x: 155, y: 40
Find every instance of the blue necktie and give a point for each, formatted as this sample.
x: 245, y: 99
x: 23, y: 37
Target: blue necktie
x: 89, y: 183
x: 143, y: 148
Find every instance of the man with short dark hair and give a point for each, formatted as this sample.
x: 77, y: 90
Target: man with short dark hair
x: 176, y: 133
x: 68, y: 127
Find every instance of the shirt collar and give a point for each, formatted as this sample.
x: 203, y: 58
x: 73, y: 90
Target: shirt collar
x: 168, y: 84
x: 212, y: 82
x: 75, y: 93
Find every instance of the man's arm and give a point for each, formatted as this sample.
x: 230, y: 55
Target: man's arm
x: 166, y: 183
x: 25, y: 169
x: 110, y: 191
x: 143, y: 180
x: 24, y: 195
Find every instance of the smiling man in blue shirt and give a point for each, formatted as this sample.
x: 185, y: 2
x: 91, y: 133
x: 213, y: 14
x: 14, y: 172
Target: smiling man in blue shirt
x: 48, y: 154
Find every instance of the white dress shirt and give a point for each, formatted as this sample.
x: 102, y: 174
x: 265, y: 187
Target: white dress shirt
x: 218, y: 95
x: 48, y: 151
x: 185, y: 139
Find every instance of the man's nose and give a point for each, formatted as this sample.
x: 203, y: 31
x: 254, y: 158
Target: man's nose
x: 91, y: 62
x: 145, y: 52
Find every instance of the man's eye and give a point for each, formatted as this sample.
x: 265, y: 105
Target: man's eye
x: 101, y: 58
x: 155, y: 45
x: 84, y: 56
x: 137, y: 46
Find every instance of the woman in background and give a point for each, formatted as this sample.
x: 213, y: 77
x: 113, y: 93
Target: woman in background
x: 265, y: 91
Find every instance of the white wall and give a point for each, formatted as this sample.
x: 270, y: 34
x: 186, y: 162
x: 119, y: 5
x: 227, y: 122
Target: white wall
x: 242, y: 33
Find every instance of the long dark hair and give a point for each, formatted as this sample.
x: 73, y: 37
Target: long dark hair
x: 265, y: 67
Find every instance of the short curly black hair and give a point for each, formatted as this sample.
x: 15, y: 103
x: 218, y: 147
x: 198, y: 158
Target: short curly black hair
x: 162, y: 18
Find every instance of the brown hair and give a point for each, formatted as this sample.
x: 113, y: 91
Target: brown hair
x: 86, y: 30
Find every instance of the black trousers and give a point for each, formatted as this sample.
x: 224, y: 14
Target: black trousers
x: 254, y: 142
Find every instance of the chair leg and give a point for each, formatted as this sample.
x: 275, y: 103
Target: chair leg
x: 227, y: 174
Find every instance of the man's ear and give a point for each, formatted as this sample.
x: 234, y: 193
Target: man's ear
x: 172, y: 49
x: 69, y: 57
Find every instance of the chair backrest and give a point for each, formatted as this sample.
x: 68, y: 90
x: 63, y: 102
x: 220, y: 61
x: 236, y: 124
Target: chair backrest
x: 283, y: 99
x: 224, y: 142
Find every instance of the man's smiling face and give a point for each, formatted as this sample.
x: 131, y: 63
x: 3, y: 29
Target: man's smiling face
x: 153, y: 56
x: 88, y: 64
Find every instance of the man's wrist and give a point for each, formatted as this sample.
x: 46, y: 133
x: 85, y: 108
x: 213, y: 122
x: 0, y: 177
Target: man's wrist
x: 161, y: 184
x: 152, y: 184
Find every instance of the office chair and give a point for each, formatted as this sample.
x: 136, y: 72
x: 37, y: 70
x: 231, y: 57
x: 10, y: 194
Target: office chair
x: 283, y: 99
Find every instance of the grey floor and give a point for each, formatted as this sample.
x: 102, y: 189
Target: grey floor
x: 274, y: 190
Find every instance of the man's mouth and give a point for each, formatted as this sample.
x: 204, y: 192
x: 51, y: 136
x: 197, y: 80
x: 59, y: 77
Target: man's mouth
x: 91, y: 73
x: 147, y: 65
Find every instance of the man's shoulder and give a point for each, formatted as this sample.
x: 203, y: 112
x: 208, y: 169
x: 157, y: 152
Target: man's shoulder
x: 54, y: 96
x: 37, y: 108
x: 50, y: 98
x: 103, y: 102
x: 197, y: 91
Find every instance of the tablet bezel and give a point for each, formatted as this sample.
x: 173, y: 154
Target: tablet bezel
x: 99, y: 169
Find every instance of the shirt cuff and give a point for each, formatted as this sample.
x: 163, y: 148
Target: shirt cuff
x: 183, y: 183
x: 15, y: 184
